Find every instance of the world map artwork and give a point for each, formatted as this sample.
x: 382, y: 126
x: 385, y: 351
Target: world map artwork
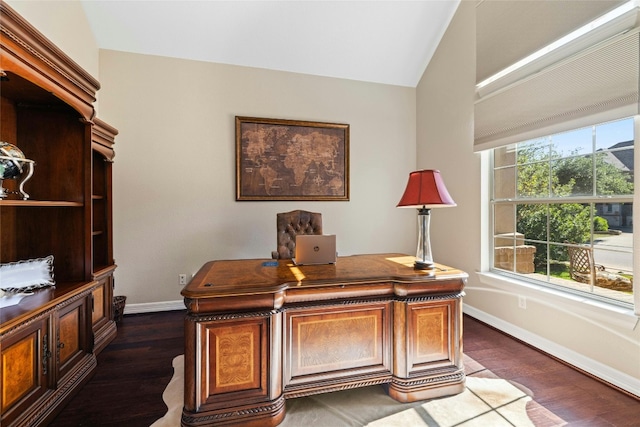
x: 291, y: 162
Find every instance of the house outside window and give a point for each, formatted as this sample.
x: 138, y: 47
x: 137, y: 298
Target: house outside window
x: 562, y: 209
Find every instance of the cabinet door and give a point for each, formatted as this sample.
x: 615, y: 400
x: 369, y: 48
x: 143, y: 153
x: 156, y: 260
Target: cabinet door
x: 73, y: 336
x: 433, y: 336
x: 234, y: 362
x: 100, y: 302
x: 25, y: 367
x: 104, y: 327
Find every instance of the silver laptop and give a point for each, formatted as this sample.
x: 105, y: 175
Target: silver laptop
x: 315, y: 249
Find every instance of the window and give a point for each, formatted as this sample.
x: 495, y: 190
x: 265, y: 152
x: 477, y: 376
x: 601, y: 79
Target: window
x: 562, y: 209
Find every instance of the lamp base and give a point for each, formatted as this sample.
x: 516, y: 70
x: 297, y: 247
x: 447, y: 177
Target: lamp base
x: 421, y: 265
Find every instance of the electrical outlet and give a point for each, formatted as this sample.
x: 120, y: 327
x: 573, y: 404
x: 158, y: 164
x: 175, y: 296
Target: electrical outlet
x: 522, y: 301
x: 182, y: 279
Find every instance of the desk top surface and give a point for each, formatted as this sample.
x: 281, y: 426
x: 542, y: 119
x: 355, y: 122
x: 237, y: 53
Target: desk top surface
x: 255, y: 276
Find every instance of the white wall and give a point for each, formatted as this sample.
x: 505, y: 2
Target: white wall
x: 602, y: 341
x: 444, y: 120
x: 174, y: 171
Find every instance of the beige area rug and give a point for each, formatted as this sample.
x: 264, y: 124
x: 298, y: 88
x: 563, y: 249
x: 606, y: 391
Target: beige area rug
x: 486, y: 402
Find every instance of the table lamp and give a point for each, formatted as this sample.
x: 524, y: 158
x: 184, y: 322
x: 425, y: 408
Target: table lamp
x: 425, y: 190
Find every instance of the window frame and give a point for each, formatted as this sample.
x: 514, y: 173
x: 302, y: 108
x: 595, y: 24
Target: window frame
x: 496, y: 275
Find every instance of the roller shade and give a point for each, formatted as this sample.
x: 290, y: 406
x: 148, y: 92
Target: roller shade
x: 596, y: 85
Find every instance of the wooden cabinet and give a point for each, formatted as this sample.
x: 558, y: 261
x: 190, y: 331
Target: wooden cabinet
x: 49, y: 341
x: 46, y: 352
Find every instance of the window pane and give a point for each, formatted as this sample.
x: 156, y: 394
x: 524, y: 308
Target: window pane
x: 613, y: 251
x: 533, y: 168
x: 567, y: 144
x: 505, y: 183
x: 504, y: 219
x: 569, y: 223
x: 616, y: 216
x: 504, y: 156
x: 539, y: 255
x: 609, y: 135
x: 614, y: 172
x: 572, y: 176
x: 532, y: 221
x: 533, y: 180
x: 533, y: 151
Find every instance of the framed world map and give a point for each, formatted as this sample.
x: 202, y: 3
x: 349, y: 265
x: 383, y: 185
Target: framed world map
x: 291, y: 160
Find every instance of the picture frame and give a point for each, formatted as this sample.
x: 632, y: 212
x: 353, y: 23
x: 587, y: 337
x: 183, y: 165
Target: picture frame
x: 280, y: 159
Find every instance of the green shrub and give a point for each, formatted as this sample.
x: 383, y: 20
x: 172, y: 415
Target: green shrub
x: 600, y: 224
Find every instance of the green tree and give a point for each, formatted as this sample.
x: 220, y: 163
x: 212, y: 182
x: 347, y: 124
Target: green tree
x: 538, y: 177
x: 577, y: 173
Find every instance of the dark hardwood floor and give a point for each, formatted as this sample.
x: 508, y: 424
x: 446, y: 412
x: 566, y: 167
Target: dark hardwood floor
x: 136, y: 367
x: 576, y: 398
x: 133, y: 371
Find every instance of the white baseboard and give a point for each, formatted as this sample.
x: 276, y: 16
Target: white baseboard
x: 150, y: 307
x: 595, y: 368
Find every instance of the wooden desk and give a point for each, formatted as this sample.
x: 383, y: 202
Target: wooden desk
x: 256, y: 335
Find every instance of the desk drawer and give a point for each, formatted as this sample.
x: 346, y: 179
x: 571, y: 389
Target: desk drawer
x: 319, y: 292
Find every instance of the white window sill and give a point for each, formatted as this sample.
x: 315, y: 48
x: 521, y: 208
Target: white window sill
x: 591, y: 310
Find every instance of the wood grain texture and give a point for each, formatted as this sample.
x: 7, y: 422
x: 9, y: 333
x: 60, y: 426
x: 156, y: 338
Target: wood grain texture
x: 234, y: 278
x: 235, y: 359
x: 18, y: 373
x: 68, y: 335
x: 335, y: 339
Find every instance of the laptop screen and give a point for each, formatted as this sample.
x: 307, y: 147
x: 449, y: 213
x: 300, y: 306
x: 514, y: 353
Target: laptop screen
x: 315, y: 249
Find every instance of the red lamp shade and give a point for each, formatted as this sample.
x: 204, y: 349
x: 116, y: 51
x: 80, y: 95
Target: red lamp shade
x: 426, y: 188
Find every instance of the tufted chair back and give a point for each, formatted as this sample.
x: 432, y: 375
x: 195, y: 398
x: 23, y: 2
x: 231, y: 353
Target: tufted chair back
x: 289, y: 225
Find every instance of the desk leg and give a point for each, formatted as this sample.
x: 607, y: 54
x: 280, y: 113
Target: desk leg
x: 427, y: 348
x: 233, y: 370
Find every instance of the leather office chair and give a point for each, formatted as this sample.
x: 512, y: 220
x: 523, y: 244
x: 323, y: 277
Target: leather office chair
x: 289, y: 225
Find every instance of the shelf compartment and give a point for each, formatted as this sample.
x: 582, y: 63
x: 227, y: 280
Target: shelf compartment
x: 37, y: 232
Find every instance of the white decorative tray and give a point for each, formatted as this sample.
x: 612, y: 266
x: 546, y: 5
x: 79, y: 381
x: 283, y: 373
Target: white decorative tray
x: 27, y: 275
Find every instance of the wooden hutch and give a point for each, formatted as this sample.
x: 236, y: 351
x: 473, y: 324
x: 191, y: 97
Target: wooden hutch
x: 49, y: 341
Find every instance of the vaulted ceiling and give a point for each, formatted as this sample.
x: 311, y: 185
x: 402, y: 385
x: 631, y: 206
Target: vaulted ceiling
x: 388, y: 42
x: 377, y: 41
